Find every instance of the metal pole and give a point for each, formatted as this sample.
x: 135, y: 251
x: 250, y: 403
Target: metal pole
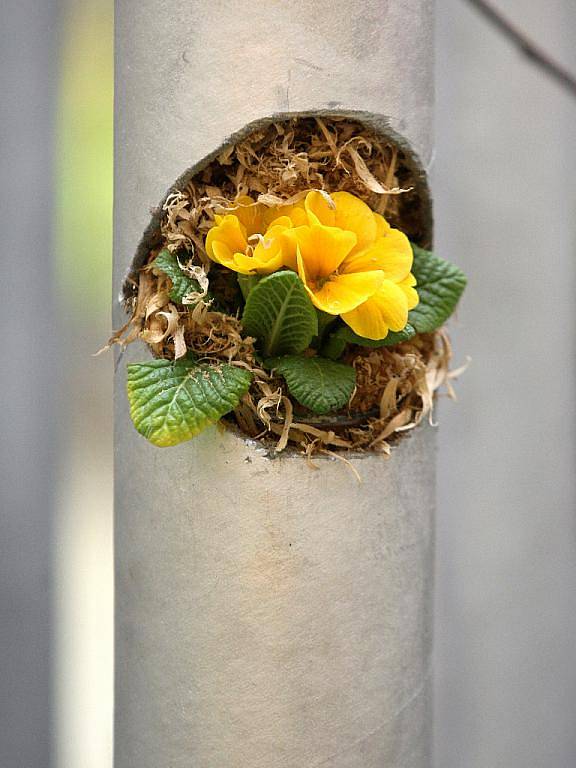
x: 268, y: 615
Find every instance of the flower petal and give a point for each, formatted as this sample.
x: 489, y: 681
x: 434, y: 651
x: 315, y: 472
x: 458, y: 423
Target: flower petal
x: 289, y: 246
x: 250, y: 215
x: 382, y: 226
x: 392, y: 253
x: 230, y: 232
x: 254, y: 264
x: 343, y: 293
x: 221, y: 254
x: 296, y: 213
x: 407, y: 285
x: 399, y: 255
x: 354, y: 215
x: 322, y: 249
x: 319, y: 208
x: 367, y: 321
x: 286, y: 246
x: 385, y: 310
x: 283, y: 222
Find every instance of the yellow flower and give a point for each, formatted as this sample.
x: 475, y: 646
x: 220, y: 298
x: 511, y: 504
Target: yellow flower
x: 248, y: 240
x: 354, y: 264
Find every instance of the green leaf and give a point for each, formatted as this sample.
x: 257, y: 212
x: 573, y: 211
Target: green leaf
x: 439, y: 285
x: 320, y: 385
x: 280, y: 315
x: 325, y: 321
x: 393, y: 337
x: 333, y: 347
x: 172, y: 401
x: 247, y: 283
x: 336, y: 343
x: 182, y: 284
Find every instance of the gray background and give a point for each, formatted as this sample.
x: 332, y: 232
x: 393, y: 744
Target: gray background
x: 28, y: 422
x: 506, y: 558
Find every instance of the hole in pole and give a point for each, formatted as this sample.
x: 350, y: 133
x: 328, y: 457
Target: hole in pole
x: 382, y: 150
x: 274, y: 164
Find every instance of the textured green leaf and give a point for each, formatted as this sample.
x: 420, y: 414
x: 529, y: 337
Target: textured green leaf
x: 280, y: 315
x: 393, y: 337
x: 320, y: 385
x: 439, y: 285
x: 247, y: 283
x: 333, y: 347
x: 325, y: 322
x: 182, y: 284
x: 172, y: 401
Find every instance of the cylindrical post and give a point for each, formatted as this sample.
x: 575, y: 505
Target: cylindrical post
x: 268, y: 615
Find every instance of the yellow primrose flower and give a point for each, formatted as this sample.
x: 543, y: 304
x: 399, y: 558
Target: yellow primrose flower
x: 229, y: 244
x: 248, y: 240
x: 353, y: 264
x: 334, y: 285
x: 350, y: 260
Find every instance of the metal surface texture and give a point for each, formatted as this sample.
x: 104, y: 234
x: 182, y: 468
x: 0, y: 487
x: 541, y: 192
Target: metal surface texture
x: 269, y: 615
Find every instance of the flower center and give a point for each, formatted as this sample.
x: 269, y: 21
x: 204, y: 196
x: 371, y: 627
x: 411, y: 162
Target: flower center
x: 319, y: 282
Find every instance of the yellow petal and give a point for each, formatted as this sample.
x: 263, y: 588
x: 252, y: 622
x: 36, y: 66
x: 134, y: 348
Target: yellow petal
x: 244, y: 200
x: 367, y: 321
x: 399, y: 255
x: 322, y: 249
x: 267, y: 256
x: 296, y: 213
x: 282, y: 222
x: 230, y: 232
x: 407, y: 285
x: 286, y: 245
x: 385, y: 310
x: 365, y: 260
x: 319, y: 209
x: 221, y: 254
x: 255, y: 265
x: 262, y: 256
x: 250, y: 215
x: 342, y: 293
x: 382, y: 226
x: 392, y: 254
x: 354, y: 215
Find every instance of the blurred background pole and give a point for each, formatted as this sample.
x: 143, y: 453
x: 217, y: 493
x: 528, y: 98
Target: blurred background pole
x: 506, y: 587
x: 267, y: 616
x: 28, y: 418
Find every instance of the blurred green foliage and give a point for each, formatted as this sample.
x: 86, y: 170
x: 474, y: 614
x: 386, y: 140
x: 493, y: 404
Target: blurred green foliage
x: 84, y: 158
